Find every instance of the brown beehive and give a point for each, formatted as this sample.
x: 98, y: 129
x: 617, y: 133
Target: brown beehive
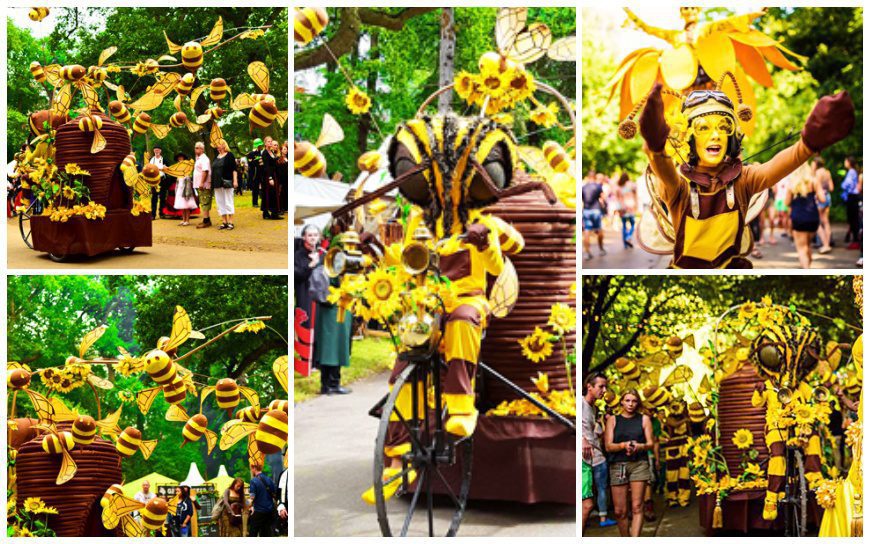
x: 106, y: 183
x: 736, y: 412
x: 546, y: 268
x: 77, y: 501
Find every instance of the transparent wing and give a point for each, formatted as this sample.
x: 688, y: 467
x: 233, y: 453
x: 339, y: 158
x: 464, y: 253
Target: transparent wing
x: 508, y: 24
x: 233, y: 431
x: 176, y: 413
x: 532, y: 44
x: 41, y: 405
x: 92, y: 99
x: 102, y: 383
x: 211, y: 438
x: 216, y: 135
x: 68, y: 468
x: 564, y: 49
x: 61, y: 411
x: 99, y: 142
x: 215, y: 35
x: 105, y: 54
x: 204, y: 393
x: 173, y: 47
x: 330, y: 132
x: 505, y: 290
x: 243, y: 101
x: 279, y: 368
x: 180, y: 329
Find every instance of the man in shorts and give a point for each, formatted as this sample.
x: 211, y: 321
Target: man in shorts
x: 202, y: 183
x: 593, y: 212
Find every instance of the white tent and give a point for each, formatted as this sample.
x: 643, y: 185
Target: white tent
x: 193, y: 476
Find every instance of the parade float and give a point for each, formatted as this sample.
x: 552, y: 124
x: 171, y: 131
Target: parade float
x: 472, y: 275
x: 85, y: 192
x: 64, y: 472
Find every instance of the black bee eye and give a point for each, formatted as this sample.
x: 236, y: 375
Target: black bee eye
x: 415, y: 187
x: 769, y: 356
x: 498, y: 167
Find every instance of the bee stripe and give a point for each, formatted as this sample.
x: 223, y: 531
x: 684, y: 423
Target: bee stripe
x: 309, y: 164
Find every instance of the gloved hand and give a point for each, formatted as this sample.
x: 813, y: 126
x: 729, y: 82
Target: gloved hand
x: 653, y: 127
x: 370, y: 245
x: 478, y: 236
x: 831, y: 120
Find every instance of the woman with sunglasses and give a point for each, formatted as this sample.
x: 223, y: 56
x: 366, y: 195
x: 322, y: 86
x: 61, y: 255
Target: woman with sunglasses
x: 707, y: 197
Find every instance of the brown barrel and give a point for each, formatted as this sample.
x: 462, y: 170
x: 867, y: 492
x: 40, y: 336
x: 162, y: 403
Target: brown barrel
x: 106, y: 183
x: 546, y: 268
x: 77, y: 501
x: 736, y: 412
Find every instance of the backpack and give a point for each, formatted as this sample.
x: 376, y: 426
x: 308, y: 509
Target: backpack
x: 318, y: 284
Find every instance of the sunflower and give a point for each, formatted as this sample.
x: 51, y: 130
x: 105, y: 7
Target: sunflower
x: 804, y: 414
x: 747, y: 310
x: 74, y: 170
x: 21, y: 531
x: 383, y: 293
x: 46, y: 510
x: 753, y: 469
x: 537, y: 346
x: 542, y: 382
x: 743, y: 439
x: 357, y: 101
x: 32, y: 504
x: 250, y: 326
x: 545, y: 116
x: 494, y: 84
x: 563, y: 318
x: 521, y: 85
x: 68, y: 192
x: 464, y: 84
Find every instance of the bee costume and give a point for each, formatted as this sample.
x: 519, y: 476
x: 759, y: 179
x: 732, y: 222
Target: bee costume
x: 701, y: 207
x: 678, y: 487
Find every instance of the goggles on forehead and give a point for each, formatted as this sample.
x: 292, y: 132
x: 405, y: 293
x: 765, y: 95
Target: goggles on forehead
x: 703, y: 126
x: 697, y: 98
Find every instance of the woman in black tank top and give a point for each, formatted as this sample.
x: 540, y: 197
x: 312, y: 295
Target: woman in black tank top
x: 627, y: 439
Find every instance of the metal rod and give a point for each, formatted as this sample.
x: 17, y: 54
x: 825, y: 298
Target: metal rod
x: 520, y: 391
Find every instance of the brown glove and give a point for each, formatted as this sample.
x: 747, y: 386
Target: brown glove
x: 831, y: 120
x: 478, y: 236
x: 370, y: 245
x: 653, y: 127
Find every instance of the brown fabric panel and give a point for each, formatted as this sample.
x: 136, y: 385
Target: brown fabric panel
x: 812, y: 463
x: 775, y: 483
x: 727, y: 172
x: 396, y: 434
x: 742, y: 512
x: 457, y: 265
x: 80, y: 236
x: 459, y: 376
x: 759, y: 177
x: 710, y: 205
x: 467, y: 313
x: 398, y: 368
x: 777, y: 449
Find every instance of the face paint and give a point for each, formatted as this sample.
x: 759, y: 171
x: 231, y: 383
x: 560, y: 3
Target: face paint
x: 711, y: 138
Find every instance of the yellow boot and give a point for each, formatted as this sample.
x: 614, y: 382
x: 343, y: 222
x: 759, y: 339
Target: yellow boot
x: 770, y: 512
x: 391, y: 488
x: 461, y: 425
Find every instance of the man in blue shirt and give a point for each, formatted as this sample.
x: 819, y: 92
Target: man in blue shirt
x: 262, y: 504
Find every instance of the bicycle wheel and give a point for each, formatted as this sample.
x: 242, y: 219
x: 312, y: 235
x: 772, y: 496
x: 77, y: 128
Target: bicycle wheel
x: 433, y: 453
x: 24, y: 225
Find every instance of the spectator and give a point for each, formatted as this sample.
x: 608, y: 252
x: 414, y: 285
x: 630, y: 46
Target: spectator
x: 594, y: 462
x: 262, y: 491
x: 202, y: 183
x: 802, y: 194
x: 283, y: 175
x: 158, y: 194
x: 255, y: 162
x: 184, y: 511
x: 852, y: 197
x: 825, y: 181
x: 185, y: 197
x: 224, y: 181
x: 626, y: 194
x: 268, y: 173
x: 593, y: 213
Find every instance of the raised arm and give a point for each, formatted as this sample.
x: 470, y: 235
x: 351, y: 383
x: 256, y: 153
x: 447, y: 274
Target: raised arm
x: 654, y: 130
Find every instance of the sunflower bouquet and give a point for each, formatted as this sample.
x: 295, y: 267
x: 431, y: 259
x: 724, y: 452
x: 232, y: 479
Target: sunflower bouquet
x: 26, y: 522
x: 63, y: 192
x: 499, y: 85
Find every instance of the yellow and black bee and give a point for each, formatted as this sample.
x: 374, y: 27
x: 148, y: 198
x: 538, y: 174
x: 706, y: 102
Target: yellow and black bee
x: 37, y: 14
x: 308, y: 23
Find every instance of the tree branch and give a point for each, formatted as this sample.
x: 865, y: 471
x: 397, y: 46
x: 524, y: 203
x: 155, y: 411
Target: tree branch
x: 621, y: 352
x: 254, y: 356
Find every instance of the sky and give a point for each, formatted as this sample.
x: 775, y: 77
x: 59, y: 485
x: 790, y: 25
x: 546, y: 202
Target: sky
x: 43, y: 28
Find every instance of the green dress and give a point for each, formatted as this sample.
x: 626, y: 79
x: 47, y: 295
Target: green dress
x: 331, y: 338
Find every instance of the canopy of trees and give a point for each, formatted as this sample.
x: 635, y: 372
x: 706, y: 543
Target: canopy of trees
x: 48, y: 315
x: 618, y: 310
x: 393, y: 55
x: 82, y: 33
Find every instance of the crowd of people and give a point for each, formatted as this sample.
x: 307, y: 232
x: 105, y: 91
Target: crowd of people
x: 262, y: 511
x: 799, y: 206
x: 625, y: 453
x: 215, y: 183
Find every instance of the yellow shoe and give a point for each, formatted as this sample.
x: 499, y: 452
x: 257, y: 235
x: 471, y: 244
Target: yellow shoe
x: 461, y: 425
x: 769, y: 513
x: 391, y: 488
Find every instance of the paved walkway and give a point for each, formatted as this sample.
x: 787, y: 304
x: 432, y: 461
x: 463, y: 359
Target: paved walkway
x: 778, y: 256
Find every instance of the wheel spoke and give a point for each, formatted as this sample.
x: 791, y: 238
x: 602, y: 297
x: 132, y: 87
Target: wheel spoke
x: 449, y: 489
x: 413, y: 508
x: 430, y: 506
x: 404, y: 422
x: 396, y: 476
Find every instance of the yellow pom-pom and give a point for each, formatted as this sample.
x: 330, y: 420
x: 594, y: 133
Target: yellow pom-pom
x: 628, y: 129
x: 744, y: 112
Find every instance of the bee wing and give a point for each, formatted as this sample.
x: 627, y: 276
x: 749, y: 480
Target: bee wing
x: 215, y: 35
x: 281, y: 117
x: 243, y: 101
x: 110, y: 85
x: 202, y: 119
x: 233, y: 431
x: 110, y: 517
x: 161, y: 131
x: 68, y: 468
x: 62, y: 100
x: 147, y: 101
x: 180, y: 329
x: 172, y: 504
x: 251, y: 395
x: 46, y: 428
x: 173, y: 47
x: 689, y: 340
x: 176, y: 413
x: 204, y: 392
x: 123, y: 505
x: 531, y: 45
x: 41, y: 406
x: 279, y: 368
x: 145, y: 398
x: 216, y: 134
x: 130, y: 176
x: 196, y: 335
x: 147, y: 448
x: 509, y: 22
x: 255, y: 456
x: 52, y: 74
x: 534, y: 157
x: 193, y: 127
x: 99, y: 142
x: 89, y: 339
x: 166, y: 84
x: 105, y: 54
x: 92, y: 98
x: 330, y: 132
x: 564, y: 49
x: 168, y: 58
x: 61, y: 411
x: 109, y: 424
x: 194, y: 96
x: 211, y: 438
x: 102, y: 383
x: 131, y: 527
x: 260, y: 74
x: 120, y: 94
x: 179, y: 169
x: 505, y: 290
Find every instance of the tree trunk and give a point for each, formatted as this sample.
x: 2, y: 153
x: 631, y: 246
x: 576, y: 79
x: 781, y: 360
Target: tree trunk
x: 445, y: 58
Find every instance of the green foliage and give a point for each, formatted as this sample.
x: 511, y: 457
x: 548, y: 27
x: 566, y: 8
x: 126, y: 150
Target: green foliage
x: 82, y: 33
x: 21, y: 89
x: 47, y: 316
x: 404, y: 68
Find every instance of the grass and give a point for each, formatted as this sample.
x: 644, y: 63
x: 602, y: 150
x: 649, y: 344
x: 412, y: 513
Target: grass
x: 368, y: 356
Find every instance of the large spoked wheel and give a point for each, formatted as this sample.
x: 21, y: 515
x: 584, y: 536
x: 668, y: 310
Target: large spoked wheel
x: 433, y: 504
x: 24, y: 224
